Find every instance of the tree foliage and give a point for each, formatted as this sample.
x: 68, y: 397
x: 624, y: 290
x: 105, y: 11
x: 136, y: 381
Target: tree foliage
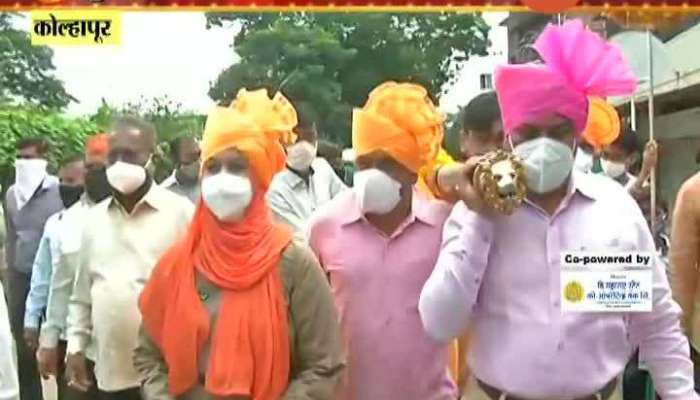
x: 333, y: 60
x: 166, y: 115
x: 303, y: 62
x: 66, y: 136
x: 26, y: 71
x: 453, y: 129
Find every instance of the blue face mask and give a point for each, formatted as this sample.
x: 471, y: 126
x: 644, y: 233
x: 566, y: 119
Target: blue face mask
x: 548, y: 163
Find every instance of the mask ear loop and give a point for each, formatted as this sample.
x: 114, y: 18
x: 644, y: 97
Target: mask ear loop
x: 509, y: 140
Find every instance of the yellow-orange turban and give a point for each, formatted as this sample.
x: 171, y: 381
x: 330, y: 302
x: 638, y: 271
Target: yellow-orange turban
x: 401, y: 120
x: 97, y: 145
x: 254, y: 124
x: 603, y: 124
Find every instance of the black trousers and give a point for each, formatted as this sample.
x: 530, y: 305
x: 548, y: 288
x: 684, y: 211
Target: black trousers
x: 66, y: 392
x: 695, y: 357
x: 128, y: 394
x: 29, y: 380
x: 635, y: 380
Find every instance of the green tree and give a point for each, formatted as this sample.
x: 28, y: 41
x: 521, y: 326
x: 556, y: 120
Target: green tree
x: 66, y: 136
x: 302, y: 62
x: 369, y: 48
x: 26, y: 71
x: 166, y: 115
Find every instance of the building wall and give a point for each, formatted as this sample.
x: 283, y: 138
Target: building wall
x: 682, y: 50
x: 469, y: 83
x: 678, y: 135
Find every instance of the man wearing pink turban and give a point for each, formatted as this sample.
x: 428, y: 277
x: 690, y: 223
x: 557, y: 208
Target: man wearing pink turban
x: 501, y: 276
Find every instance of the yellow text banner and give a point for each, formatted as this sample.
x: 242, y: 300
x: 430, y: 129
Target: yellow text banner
x: 76, y: 27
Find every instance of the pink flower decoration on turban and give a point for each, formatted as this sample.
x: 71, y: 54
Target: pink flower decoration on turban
x: 577, y: 63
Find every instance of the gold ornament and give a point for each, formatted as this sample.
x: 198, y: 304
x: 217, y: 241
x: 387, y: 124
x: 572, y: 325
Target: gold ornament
x: 500, y: 177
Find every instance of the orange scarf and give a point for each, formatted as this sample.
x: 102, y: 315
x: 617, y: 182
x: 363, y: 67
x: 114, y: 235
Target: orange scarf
x: 250, y: 346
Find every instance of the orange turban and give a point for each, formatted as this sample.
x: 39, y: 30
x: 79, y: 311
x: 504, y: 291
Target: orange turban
x: 603, y: 125
x: 401, y: 120
x: 97, y: 145
x: 254, y: 124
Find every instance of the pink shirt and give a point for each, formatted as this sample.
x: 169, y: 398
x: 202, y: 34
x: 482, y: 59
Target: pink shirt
x: 376, y: 281
x: 500, y: 276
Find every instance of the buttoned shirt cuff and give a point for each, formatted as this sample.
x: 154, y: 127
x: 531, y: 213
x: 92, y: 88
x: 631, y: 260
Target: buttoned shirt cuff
x: 49, y: 337
x: 76, y: 344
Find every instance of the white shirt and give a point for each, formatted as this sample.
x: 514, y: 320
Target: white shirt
x: 44, y: 262
x: 9, y: 386
x: 117, y: 254
x: 190, y: 191
x: 292, y: 201
x: 63, y: 274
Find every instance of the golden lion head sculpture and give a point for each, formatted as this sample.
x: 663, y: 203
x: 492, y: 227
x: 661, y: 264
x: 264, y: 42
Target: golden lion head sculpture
x: 500, y: 176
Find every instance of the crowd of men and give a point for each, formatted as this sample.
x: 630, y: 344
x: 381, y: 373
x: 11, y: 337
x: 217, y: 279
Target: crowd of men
x: 256, y: 271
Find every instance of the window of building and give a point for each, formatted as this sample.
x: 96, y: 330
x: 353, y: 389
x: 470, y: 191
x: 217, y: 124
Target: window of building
x: 485, y: 82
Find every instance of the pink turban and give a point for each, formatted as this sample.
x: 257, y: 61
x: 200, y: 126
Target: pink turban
x: 577, y: 63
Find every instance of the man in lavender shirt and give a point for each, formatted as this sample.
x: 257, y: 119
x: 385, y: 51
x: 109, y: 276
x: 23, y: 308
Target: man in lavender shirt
x: 378, y: 244
x: 500, y: 275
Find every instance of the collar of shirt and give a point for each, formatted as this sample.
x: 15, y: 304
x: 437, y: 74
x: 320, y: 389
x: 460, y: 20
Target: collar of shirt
x: 86, y: 201
x: 153, y: 198
x: 294, y: 178
x: 170, y: 180
x: 48, y: 182
x: 421, y: 210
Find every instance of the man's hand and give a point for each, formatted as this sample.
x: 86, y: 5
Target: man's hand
x: 77, y: 372
x: 457, y: 179
x: 47, y: 361
x: 31, y: 338
x: 649, y: 159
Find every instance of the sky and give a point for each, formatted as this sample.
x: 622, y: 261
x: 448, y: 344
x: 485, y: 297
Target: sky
x: 168, y: 54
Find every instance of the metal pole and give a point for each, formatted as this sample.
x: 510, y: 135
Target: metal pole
x: 650, y: 59
x: 633, y: 114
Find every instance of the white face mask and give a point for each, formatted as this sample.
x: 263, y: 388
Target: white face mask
x: 583, y: 161
x: 547, y: 163
x: 377, y: 192
x: 300, y: 155
x: 613, y: 169
x: 28, y: 176
x: 226, y: 195
x: 126, y: 178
